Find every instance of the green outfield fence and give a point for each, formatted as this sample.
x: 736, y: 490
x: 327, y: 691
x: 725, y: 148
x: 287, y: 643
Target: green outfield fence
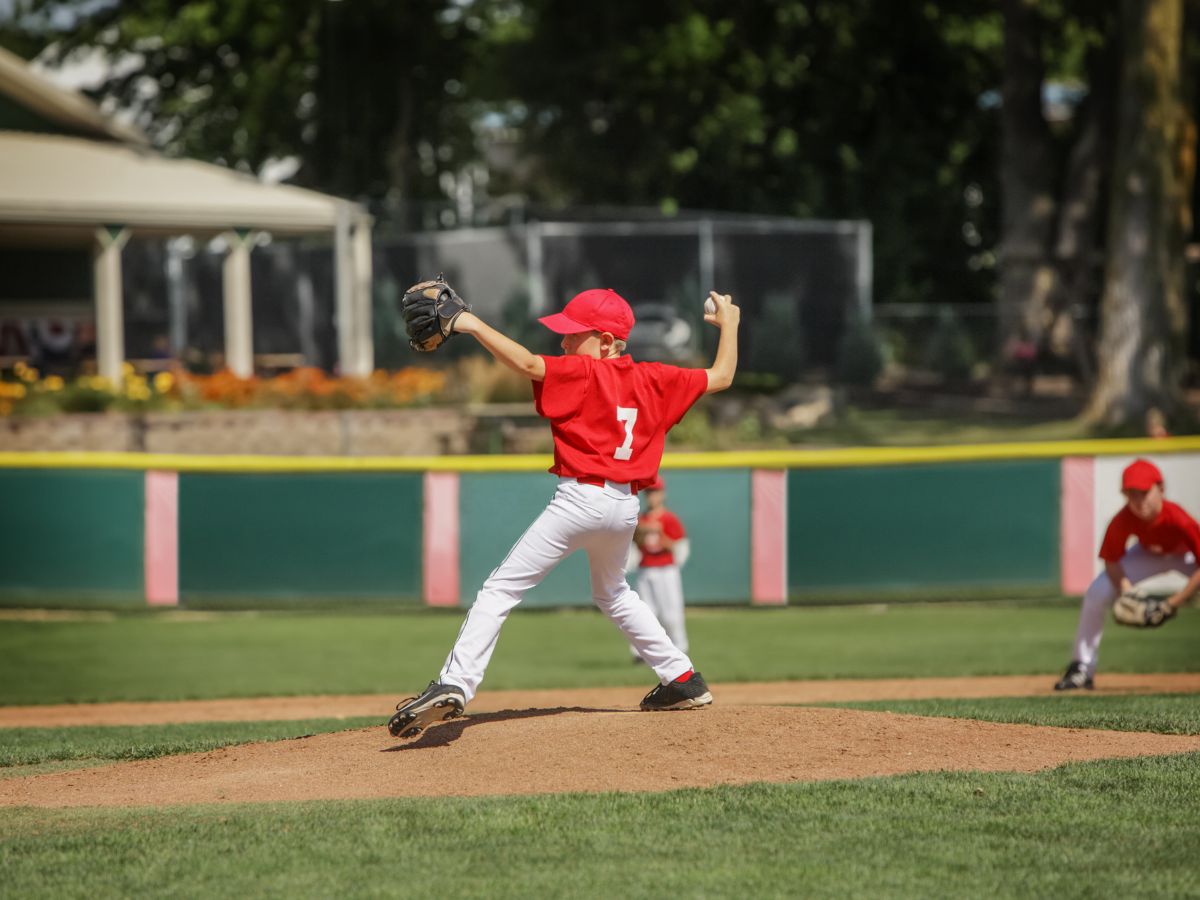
x: 767, y: 527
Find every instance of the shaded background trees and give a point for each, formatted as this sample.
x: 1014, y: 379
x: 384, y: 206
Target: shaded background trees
x: 1144, y: 320
x: 980, y: 142
x: 1102, y: 208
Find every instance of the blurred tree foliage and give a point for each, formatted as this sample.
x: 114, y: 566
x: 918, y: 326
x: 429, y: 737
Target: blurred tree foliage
x: 1099, y: 204
x: 821, y: 108
x: 1055, y: 171
x: 367, y: 94
x: 926, y: 117
x: 824, y: 108
x: 1142, y: 340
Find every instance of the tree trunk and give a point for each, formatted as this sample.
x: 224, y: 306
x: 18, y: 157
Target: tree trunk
x: 1028, y: 277
x: 1139, y: 352
x: 1079, y: 245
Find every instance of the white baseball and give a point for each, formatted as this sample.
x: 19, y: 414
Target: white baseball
x: 710, y: 308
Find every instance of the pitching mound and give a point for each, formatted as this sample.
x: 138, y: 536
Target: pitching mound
x: 559, y: 748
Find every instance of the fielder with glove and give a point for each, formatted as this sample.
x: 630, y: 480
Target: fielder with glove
x: 1135, y: 609
x: 662, y: 547
x: 429, y: 309
x: 1168, y: 540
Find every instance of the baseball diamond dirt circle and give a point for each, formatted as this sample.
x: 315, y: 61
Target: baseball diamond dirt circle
x: 533, y: 742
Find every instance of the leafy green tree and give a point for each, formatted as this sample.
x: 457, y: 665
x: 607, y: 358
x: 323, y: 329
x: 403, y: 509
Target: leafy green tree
x: 1054, y: 173
x: 366, y: 94
x: 823, y: 108
x: 1144, y: 320
x: 1096, y: 209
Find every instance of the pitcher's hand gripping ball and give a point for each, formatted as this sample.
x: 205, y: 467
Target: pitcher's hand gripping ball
x: 430, y: 309
x: 1138, y: 611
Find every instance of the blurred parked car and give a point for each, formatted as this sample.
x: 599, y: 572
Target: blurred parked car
x: 660, y: 334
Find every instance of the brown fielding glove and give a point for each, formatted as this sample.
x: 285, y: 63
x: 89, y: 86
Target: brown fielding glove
x: 1138, y: 611
x: 430, y: 309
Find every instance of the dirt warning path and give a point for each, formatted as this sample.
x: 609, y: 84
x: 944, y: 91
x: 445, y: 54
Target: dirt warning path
x: 778, y: 693
x: 556, y: 749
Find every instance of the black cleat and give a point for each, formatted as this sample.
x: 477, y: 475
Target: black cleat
x: 438, y: 703
x: 1074, y: 678
x: 688, y: 694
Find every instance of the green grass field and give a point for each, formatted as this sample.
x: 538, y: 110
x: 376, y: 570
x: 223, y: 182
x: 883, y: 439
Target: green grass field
x: 1081, y: 830
x: 1101, y: 829
x: 128, y: 656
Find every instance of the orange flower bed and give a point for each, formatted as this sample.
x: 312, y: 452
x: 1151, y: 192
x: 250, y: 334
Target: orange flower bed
x: 311, y: 388
x: 26, y: 392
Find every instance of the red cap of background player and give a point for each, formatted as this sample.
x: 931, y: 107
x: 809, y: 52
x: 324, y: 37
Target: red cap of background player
x: 600, y: 309
x: 657, y: 484
x: 1140, y: 475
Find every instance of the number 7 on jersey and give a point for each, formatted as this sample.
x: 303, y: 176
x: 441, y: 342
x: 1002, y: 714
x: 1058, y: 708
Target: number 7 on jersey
x: 627, y: 415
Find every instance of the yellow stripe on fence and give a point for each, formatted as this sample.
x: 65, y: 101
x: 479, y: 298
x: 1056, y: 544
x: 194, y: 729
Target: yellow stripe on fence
x: 842, y: 457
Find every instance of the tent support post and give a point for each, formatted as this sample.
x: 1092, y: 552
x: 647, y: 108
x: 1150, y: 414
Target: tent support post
x: 109, y: 300
x: 239, y: 320
x: 365, y: 349
x: 352, y: 280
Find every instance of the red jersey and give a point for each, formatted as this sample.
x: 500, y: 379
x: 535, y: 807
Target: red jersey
x: 610, y: 417
x: 1172, y: 532
x: 653, y: 553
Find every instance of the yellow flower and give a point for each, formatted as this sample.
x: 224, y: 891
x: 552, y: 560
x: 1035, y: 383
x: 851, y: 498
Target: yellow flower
x: 53, y: 383
x: 127, y: 369
x: 28, y: 373
x: 5, y: 407
x: 98, y: 383
x: 163, y: 382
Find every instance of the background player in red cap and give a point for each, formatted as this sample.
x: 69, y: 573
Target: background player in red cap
x: 1168, y: 540
x: 609, y: 417
x: 662, y: 550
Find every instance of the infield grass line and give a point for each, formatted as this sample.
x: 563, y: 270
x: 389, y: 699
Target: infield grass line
x: 115, y: 743
x: 1157, y: 713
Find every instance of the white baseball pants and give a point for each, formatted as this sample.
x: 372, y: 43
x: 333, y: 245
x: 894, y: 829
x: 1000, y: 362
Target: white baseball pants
x: 662, y: 589
x: 1139, y: 564
x: 598, y: 520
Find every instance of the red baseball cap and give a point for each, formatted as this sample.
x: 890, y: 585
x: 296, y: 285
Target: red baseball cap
x: 599, y: 309
x: 1140, y: 475
x: 657, y: 484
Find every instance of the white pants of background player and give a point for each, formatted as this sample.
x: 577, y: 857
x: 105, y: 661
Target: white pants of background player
x: 598, y: 520
x: 662, y: 589
x: 1139, y: 564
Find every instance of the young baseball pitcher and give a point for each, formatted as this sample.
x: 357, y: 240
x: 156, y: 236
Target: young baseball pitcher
x: 609, y: 417
x: 660, y: 538
x: 1168, y: 540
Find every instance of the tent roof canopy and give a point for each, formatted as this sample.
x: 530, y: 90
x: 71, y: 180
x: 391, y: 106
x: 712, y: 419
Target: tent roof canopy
x: 99, y: 172
x: 50, y: 180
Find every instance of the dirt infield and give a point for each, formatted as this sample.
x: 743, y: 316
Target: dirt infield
x: 583, y: 740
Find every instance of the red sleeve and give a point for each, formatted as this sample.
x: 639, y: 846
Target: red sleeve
x: 672, y: 527
x: 1116, y: 536
x: 561, y: 392
x: 683, y: 387
x: 1191, y: 531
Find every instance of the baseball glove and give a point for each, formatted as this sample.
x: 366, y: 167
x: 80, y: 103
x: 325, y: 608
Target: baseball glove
x: 430, y: 309
x: 1139, y: 611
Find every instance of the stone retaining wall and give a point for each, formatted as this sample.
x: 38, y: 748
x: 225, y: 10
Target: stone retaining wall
x: 406, y: 432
